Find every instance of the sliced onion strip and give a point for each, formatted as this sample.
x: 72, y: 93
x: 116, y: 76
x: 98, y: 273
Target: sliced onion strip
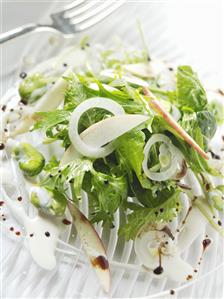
x: 95, y: 142
x: 78, y: 143
x: 170, y: 170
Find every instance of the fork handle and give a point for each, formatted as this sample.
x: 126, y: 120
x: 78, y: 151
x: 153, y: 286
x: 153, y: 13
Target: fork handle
x: 4, y: 37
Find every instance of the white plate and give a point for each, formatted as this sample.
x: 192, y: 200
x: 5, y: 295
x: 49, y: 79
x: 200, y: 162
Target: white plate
x: 174, y: 32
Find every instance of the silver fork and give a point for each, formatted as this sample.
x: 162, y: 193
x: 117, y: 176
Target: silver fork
x: 74, y: 17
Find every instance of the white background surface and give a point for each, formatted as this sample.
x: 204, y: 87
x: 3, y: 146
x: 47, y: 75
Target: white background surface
x: 189, y: 31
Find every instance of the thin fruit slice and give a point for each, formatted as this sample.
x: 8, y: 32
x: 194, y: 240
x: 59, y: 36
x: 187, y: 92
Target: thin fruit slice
x: 92, y: 245
x: 156, y: 106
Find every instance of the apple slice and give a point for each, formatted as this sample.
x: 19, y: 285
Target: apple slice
x: 156, y: 106
x: 92, y: 245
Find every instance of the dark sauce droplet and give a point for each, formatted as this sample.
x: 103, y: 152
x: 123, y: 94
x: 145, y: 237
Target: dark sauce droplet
x: 18, y: 233
x: 1, y: 203
x: 31, y: 235
x: 189, y: 277
x: 206, y: 243
x: 2, y: 146
x: 219, y: 223
x: 47, y: 234
x: 158, y: 270
x: 3, y: 107
x: 23, y: 75
x: 11, y: 229
x: 220, y: 91
x: 19, y: 198
x: 66, y: 221
x: 172, y: 292
x: 100, y: 262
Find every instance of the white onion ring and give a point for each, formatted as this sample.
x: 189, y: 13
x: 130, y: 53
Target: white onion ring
x: 169, y: 171
x: 147, y: 245
x: 74, y: 136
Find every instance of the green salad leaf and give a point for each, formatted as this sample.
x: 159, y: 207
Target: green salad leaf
x: 191, y: 95
x: 130, y: 147
x: 46, y: 120
x: 217, y: 110
x: 118, y: 181
x: 141, y: 216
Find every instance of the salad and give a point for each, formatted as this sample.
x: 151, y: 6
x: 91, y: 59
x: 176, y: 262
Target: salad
x: 132, y: 134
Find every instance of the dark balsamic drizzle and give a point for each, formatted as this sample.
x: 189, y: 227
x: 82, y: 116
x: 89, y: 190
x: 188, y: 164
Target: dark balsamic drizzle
x: 189, y: 277
x: 220, y: 91
x: 3, y: 108
x: 19, y: 198
x: 23, y: 75
x: 167, y: 231
x: 159, y: 269
x: 185, y: 218
x: 172, y: 292
x: 183, y: 186
x: 182, y: 171
x: 206, y: 243
x: 219, y: 223
x: 1, y: 203
x: 47, y: 234
x: 2, y: 146
x: 66, y: 221
x: 100, y: 262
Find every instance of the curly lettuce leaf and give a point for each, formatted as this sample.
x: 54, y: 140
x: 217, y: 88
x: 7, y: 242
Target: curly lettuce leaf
x: 141, y: 216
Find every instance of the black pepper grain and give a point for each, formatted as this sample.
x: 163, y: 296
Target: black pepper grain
x: 3, y: 107
x: 23, y: 75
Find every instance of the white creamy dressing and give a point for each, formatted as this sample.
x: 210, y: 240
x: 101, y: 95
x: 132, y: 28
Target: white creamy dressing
x: 173, y: 266
x: 148, y: 241
x: 42, y: 233
x: 194, y: 226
